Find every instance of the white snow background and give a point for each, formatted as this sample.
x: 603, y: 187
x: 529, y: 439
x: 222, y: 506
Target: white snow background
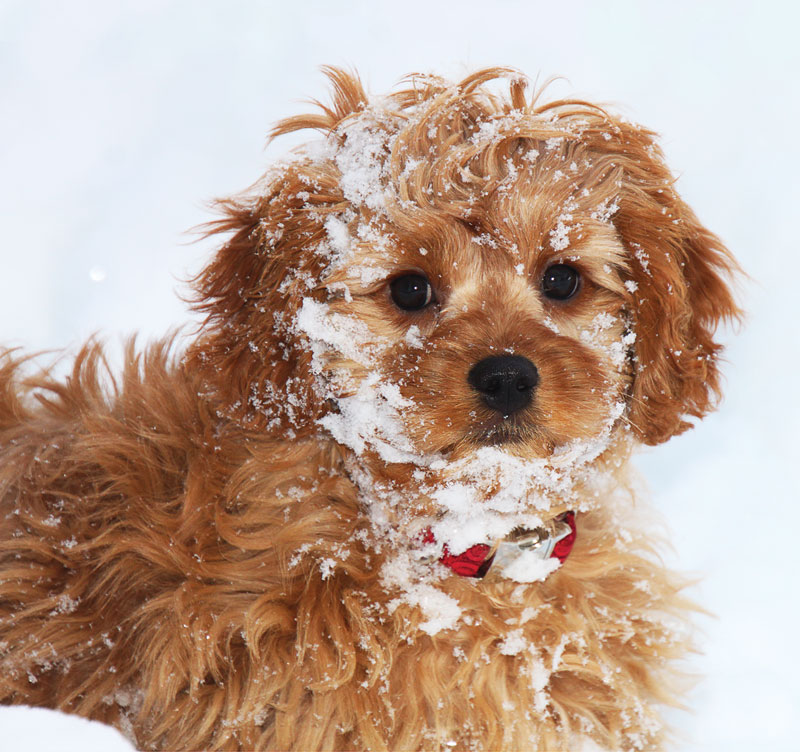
x: 119, y: 120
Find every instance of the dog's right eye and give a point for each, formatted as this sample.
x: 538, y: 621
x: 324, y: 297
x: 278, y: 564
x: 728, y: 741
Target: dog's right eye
x: 411, y: 292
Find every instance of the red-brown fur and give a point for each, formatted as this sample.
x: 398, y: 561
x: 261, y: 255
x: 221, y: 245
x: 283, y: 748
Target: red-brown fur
x: 162, y: 530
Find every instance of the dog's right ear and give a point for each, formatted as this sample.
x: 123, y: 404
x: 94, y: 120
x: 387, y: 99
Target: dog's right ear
x: 248, y: 353
x: 250, y: 357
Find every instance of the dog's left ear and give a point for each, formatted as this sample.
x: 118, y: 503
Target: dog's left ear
x: 680, y: 293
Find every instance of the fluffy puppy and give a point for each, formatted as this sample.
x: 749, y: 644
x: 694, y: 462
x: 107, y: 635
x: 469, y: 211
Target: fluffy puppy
x: 381, y: 500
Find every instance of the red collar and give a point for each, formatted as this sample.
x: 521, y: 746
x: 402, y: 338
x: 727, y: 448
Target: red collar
x: 477, y: 560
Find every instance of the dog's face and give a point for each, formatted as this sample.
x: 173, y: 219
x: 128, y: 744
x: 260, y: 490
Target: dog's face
x: 453, y: 271
x: 517, y: 337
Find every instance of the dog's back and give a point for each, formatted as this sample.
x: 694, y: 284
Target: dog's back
x: 122, y: 596
x: 93, y: 476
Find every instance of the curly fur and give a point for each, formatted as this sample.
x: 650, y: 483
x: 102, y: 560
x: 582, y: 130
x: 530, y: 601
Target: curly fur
x: 166, y: 533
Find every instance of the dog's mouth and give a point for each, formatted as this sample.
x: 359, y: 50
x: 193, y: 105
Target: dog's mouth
x: 499, y: 430
x: 515, y: 433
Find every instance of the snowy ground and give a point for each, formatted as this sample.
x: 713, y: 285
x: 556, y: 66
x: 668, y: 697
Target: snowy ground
x: 39, y: 730
x: 119, y: 120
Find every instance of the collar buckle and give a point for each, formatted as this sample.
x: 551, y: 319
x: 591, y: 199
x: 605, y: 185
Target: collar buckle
x: 541, y: 542
x: 481, y: 559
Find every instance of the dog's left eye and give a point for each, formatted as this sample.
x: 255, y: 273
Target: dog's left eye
x: 411, y: 292
x: 560, y: 282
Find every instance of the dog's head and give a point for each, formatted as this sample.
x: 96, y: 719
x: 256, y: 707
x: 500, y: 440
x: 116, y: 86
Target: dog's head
x: 452, y: 268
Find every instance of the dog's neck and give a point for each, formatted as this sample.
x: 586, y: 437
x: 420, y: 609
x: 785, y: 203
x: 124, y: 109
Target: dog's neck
x: 508, y: 520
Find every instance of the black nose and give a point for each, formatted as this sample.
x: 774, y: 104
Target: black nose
x: 505, y: 381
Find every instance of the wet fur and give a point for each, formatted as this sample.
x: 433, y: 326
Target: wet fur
x: 150, y: 521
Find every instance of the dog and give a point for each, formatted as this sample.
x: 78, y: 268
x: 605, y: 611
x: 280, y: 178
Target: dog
x: 382, y: 498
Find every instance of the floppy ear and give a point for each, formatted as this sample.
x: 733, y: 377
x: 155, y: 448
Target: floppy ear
x: 248, y: 353
x: 254, y: 364
x: 681, y: 273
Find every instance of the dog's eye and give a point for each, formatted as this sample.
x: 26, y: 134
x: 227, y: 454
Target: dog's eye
x: 560, y: 282
x: 411, y: 292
